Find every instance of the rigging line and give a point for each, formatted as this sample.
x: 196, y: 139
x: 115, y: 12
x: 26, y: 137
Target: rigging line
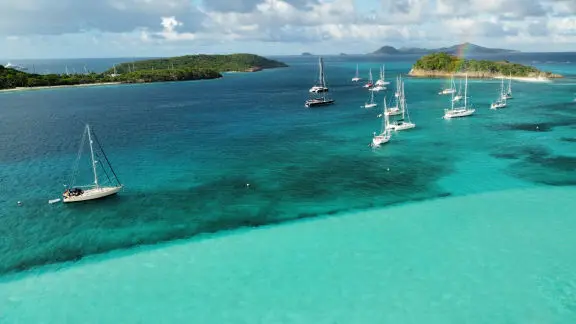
x: 106, y: 158
x: 76, y: 164
x: 104, y: 169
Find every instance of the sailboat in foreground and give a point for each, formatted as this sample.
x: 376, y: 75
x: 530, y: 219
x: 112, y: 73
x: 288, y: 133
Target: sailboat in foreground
x: 508, y: 94
x: 455, y: 112
x: 385, y: 135
x: 371, y: 104
x: 100, y: 189
x: 320, y: 85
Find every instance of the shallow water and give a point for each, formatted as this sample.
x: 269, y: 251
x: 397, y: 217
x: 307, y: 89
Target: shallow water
x: 186, y: 151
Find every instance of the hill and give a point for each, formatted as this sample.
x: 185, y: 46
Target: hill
x: 190, y: 67
x: 446, y: 65
x: 470, y: 49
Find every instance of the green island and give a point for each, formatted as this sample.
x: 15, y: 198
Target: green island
x: 182, y: 68
x: 446, y: 65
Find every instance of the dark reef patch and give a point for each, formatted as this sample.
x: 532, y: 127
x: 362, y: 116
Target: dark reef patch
x: 305, y: 185
x: 568, y: 139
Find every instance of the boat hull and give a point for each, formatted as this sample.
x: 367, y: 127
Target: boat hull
x: 370, y: 105
x: 318, y: 103
x: 401, y: 127
x: 458, y: 113
x: 380, y: 139
x: 394, y: 112
x: 91, y: 194
x: 318, y: 90
x: 356, y: 79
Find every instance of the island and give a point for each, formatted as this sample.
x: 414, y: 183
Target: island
x: 182, y: 68
x: 306, y: 54
x: 469, y: 48
x: 447, y: 65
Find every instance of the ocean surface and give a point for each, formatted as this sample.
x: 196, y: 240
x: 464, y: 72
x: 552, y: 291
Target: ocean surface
x: 186, y: 151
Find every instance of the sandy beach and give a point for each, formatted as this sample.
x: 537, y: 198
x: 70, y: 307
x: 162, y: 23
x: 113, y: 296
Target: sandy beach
x: 526, y: 79
x: 60, y: 86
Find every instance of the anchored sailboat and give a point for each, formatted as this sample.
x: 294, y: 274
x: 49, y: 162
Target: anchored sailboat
x: 356, y: 77
x: 379, y: 85
x: 370, y: 82
x: 371, y: 104
x: 501, y: 101
x: 385, y: 135
x: 320, y: 86
x: 395, y: 110
x: 458, y: 95
x: 382, y: 80
x: 110, y: 186
x: 459, y: 111
x: 404, y: 122
x: 508, y: 94
x: 450, y: 90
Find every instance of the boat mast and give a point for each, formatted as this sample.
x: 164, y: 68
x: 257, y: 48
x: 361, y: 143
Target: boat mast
x: 466, y: 92
x: 321, y: 76
x: 403, y: 102
x: 384, y: 117
x: 452, y: 95
x: 92, y: 156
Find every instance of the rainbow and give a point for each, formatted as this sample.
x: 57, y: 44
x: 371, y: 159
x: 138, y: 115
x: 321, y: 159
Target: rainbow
x: 461, y: 54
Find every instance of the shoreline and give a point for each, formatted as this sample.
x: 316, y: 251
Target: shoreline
x: 18, y: 89
x: 544, y: 77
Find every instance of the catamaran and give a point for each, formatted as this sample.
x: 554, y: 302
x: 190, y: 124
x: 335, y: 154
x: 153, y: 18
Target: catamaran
x: 404, y: 122
x: 382, y: 80
x: 385, y: 135
x: 395, y: 110
x: 508, y: 94
x: 320, y: 86
x: 356, y: 77
x: 459, y: 111
x: 370, y: 82
x: 501, y: 101
x: 450, y: 90
x: 100, y: 189
x: 371, y: 104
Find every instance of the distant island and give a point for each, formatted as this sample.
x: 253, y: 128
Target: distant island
x: 446, y: 65
x: 469, y: 48
x: 306, y: 54
x: 182, y: 68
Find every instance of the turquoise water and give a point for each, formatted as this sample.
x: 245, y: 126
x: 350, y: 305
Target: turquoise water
x: 186, y: 151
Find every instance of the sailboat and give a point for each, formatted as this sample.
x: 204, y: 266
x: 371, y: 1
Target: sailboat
x: 459, y: 111
x: 99, y: 189
x: 450, y: 90
x: 395, y: 110
x: 458, y: 95
x: 356, y: 77
x: 379, y: 85
x: 370, y: 82
x: 320, y: 86
x: 508, y: 94
x: 403, y: 123
x: 371, y: 104
x: 382, y: 80
x: 385, y: 135
x: 501, y: 101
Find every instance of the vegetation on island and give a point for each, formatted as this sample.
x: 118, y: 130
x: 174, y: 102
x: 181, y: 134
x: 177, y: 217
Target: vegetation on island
x: 190, y: 67
x: 442, y: 63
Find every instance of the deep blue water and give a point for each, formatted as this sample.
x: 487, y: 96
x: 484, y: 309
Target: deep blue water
x: 187, y: 150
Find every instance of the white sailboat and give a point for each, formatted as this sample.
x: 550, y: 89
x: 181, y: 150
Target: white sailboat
x: 385, y: 135
x: 99, y: 189
x: 450, y: 90
x: 395, y: 110
x: 320, y: 86
x: 379, y: 85
x: 370, y: 81
x: 382, y: 80
x: 501, y: 101
x: 404, y: 123
x: 508, y: 94
x: 356, y: 77
x: 463, y: 111
x: 371, y: 104
x: 458, y: 95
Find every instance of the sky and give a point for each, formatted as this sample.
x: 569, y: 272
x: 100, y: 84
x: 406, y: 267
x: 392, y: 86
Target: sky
x: 144, y: 28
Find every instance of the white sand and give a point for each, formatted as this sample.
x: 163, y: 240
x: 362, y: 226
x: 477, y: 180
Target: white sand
x: 60, y: 86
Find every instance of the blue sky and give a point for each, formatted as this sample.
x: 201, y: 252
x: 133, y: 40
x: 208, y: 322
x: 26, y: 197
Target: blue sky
x: 112, y: 28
